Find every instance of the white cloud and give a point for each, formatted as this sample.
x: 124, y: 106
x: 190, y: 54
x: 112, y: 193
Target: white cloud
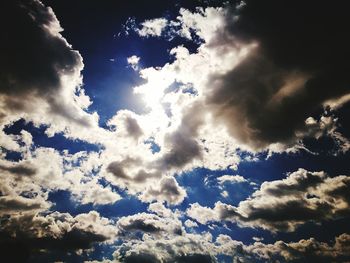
x: 231, y: 178
x: 152, y: 27
x: 190, y: 224
x: 133, y: 61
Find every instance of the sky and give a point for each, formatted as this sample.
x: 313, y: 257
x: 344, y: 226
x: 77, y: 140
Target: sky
x: 174, y: 131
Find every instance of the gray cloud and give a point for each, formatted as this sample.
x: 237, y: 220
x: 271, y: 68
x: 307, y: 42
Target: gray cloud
x: 33, y: 57
x: 182, y: 144
x: 299, y: 63
x: 18, y: 204
x: 38, y: 66
x: 168, y: 190
x: 148, y: 223
x: 20, y: 169
x: 133, y: 128
x: 119, y: 170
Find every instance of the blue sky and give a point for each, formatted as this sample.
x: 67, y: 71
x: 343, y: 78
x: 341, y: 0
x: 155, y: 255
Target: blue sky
x: 174, y: 131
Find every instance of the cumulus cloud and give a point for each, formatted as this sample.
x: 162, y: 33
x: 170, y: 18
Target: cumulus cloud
x: 40, y: 79
x: 160, y: 209
x: 20, y: 205
x: 174, y: 249
x: 91, y: 192
x: 149, y: 223
x: 162, y: 238
x: 309, y: 250
x: 167, y: 247
x: 126, y: 124
x: 246, y: 80
x: 189, y: 223
x: 55, y: 231
x: 202, y: 248
x: 19, y: 169
x: 27, y: 183
x: 280, y: 77
x: 168, y: 190
x: 250, y: 85
x: 283, y: 205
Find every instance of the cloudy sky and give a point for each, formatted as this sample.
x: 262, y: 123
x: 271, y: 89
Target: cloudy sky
x: 174, y: 131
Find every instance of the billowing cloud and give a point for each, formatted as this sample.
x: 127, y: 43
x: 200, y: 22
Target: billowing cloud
x: 258, y: 80
x: 174, y: 249
x: 281, y: 76
x: 18, y: 204
x: 55, y: 231
x: 157, y: 245
x: 45, y: 170
x: 40, y: 72
x: 149, y: 223
x: 189, y: 223
x: 251, y: 85
x: 310, y: 250
x: 168, y: 190
x: 283, y: 205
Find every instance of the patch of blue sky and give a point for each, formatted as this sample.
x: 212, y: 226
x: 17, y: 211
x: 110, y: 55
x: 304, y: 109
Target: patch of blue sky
x: 278, y: 165
x: 324, y: 231
x: 101, y: 252
x: 58, y: 141
x: 12, y: 155
x: 202, y: 187
x: 185, y: 88
x: 153, y: 146
x: 108, y: 79
x: 64, y: 202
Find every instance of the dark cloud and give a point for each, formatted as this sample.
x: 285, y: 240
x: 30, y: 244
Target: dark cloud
x: 194, y: 258
x: 37, y: 65
x: 148, y: 223
x: 22, y: 248
x: 32, y: 58
x: 141, y: 258
x: 140, y: 225
x: 301, y: 61
x: 22, y: 236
